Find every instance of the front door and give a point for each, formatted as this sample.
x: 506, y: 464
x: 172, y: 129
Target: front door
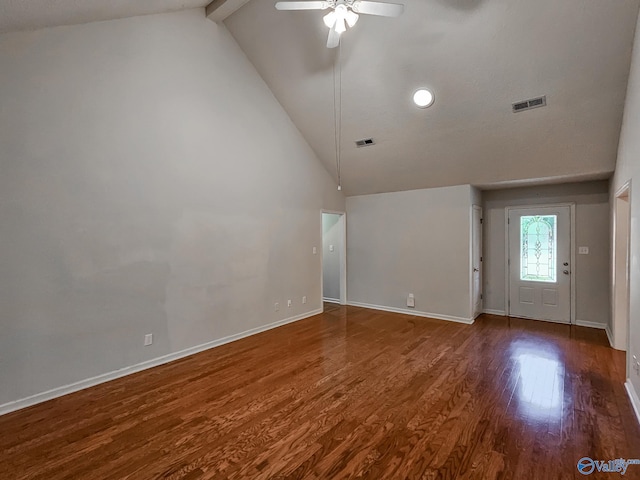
x: 539, y: 263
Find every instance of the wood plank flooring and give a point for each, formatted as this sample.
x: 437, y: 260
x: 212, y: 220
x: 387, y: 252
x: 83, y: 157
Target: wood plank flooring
x: 351, y: 393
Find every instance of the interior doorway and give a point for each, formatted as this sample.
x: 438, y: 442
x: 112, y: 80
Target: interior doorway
x: 540, y: 262
x: 621, y: 244
x: 476, y: 261
x: 334, y: 257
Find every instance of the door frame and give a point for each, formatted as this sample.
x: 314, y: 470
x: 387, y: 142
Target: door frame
x: 343, y: 255
x: 572, y: 248
x: 622, y: 192
x: 471, y: 266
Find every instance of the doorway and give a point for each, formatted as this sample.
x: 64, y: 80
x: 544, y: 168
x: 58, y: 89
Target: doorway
x: 621, y: 244
x: 476, y: 261
x: 334, y: 259
x: 540, y: 262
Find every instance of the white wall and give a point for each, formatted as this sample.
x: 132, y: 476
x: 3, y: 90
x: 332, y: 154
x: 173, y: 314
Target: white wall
x: 331, y: 235
x: 628, y: 168
x: 150, y: 183
x: 592, y: 230
x: 411, y: 242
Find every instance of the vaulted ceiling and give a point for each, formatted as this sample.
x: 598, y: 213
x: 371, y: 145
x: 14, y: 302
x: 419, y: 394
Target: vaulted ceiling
x: 31, y: 14
x: 477, y: 56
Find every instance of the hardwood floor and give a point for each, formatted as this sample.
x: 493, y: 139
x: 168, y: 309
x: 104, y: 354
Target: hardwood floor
x: 351, y: 393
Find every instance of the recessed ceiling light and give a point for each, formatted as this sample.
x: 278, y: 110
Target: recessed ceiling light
x: 423, y: 98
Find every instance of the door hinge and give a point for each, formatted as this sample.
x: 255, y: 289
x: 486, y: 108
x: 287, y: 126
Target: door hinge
x: 481, y: 221
x: 508, y: 221
x: 481, y: 259
x: 480, y: 296
x: 509, y: 261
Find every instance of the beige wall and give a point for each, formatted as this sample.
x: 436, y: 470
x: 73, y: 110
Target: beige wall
x: 628, y: 169
x: 411, y: 242
x: 150, y: 183
x: 592, y: 230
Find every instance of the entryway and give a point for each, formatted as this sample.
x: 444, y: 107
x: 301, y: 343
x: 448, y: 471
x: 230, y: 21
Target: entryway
x: 334, y: 260
x: 539, y: 263
x: 621, y: 234
x: 476, y: 261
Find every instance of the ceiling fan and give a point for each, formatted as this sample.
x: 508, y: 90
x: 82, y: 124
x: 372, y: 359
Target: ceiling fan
x: 343, y: 13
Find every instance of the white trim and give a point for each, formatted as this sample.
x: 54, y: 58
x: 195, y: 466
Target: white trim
x: 633, y: 396
x: 574, y: 269
x: 609, y: 335
x: 331, y: 300
x: 622, y: 192
x: 489, y: 311
x: 123, y: 372
x: 507, y: 273
x: 416, y: 313
x: 586, y: 323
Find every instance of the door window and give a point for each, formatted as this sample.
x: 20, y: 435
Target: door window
x: 538, y: 248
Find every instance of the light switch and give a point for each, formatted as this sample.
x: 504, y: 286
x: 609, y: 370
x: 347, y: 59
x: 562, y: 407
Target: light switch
x: 315, y: 250
x: 411, y: 300
x: 583, y: 250
x: 331, y: 248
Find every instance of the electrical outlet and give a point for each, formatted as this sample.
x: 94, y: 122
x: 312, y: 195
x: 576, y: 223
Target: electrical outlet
x: 304, y: 299
x: 288, y: 303
x: 148, y: 339
x: 315, y: 250
x: 636, y: 364
x: 276, y: 307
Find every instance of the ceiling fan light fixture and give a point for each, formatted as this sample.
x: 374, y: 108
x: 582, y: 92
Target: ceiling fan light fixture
x: 423, y: 98
x: 343, y: 13
x: 351, y: 18
x: 330, y: 19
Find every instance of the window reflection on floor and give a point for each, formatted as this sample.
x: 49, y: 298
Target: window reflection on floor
x: 541, y: 382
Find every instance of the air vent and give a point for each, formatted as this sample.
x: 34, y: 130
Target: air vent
x: 529, y: 104
x: 365, y: 142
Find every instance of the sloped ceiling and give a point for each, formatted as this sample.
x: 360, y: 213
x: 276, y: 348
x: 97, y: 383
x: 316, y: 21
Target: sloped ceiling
x: 478, y: 57
x: 32, y: 14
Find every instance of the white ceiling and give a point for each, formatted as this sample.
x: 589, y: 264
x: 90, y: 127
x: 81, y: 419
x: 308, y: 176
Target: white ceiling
x: 31, y: 14
x: 478, y: 56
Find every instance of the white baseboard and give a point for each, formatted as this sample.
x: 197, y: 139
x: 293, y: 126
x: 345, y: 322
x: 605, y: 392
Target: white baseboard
x: 586, y: 323
x: 331, y: 300
x: 501, y: 313
x: 609, y: 336
x: 417, y: 313
x: 633, y: 396
x: 106, y: 377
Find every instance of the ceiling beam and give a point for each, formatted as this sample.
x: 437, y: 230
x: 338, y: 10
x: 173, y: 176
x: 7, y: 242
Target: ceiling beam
x: 218, y: 10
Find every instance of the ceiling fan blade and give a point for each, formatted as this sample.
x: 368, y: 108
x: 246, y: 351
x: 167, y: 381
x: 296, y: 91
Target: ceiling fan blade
x: 334, y: 38
x: 378, y: 8
x: 302, y: 5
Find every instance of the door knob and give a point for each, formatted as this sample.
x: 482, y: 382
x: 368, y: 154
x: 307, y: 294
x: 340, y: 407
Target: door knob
x: 566, y: 272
